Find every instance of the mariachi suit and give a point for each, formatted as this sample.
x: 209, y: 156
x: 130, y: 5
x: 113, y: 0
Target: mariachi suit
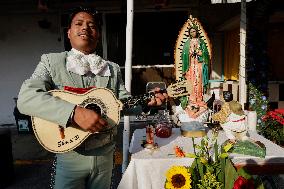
x: 91, y: 162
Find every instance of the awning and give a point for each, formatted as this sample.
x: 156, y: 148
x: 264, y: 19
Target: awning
x: 227, y: 1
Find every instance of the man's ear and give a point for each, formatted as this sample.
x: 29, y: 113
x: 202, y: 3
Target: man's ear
x: 68, y: 33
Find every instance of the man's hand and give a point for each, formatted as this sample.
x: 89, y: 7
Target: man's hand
x: 159, y: 98
x: 89, y: 120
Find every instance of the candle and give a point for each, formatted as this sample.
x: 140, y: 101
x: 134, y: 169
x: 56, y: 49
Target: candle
x: 251, y: 120
x: 149, y: 134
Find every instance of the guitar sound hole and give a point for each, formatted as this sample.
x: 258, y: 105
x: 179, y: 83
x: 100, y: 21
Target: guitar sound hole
x: 95, y: 108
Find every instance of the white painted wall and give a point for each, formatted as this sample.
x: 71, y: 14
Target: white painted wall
x: 22, y: 42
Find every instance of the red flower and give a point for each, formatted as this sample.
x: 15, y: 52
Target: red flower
x: 179, y: 152
x: 265, y: 117
x: 276, y: 115
x: 280, y: 111
x: 242, y: 183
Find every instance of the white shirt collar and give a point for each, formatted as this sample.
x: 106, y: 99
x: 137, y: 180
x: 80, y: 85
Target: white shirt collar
x: 79, y: 63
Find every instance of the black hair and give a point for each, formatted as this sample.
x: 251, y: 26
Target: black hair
x: 91, y: 11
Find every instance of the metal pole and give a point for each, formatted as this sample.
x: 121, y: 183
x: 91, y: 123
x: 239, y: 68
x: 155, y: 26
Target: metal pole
x: 104, y: 38
x: 128, y: 78
x: 242, y: 67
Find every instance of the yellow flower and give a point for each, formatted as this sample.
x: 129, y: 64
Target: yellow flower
x: 228, y: 146
x: 178, y: 177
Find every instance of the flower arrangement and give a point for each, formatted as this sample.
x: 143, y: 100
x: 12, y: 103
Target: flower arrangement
x: 259, y: 103
x: 274, y: 126
x: 211, y: 164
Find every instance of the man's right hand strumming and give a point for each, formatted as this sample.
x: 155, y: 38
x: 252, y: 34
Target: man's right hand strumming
x: 89, y: 120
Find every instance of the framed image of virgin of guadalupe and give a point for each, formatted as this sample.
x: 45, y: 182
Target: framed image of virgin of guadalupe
x: 192, y: 58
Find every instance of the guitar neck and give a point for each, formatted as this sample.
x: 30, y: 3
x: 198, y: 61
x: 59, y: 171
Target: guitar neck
x: 175, y: 90
x: 142, y: 100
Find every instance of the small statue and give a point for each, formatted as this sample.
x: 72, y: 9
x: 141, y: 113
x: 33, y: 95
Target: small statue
x: 195, y: 58
x: 232, y: 119
x: 222, y: 115
x: 193, y: 61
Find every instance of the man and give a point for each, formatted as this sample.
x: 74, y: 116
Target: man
x: 90, y: 165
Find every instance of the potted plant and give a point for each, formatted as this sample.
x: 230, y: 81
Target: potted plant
x: 274, y: 126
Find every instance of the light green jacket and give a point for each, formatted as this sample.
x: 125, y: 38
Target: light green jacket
x: 51, y: 73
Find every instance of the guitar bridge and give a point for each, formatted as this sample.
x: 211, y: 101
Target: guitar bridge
x: 61, y: 132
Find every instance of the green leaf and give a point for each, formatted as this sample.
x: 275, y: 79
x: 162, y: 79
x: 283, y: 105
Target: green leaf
x: 190, y: 170
x: 216, y: 152
x: 190, y: 155
x: 261, y: 186
x: 258, y: 183
x: 224, y: 155
x: 221, y: 176
x: 242, y: 172
x: 231, y: 174
x: 200, y: 168
x: 203, y: 160
x: 198, y: 147
x: 228, y: 146
x: 202, y: 142
x: 210, y: 169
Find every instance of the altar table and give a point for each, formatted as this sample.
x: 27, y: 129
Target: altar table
x: 147, y: 168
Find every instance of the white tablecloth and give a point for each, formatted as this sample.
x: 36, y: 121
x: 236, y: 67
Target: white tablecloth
x: 147, y: 168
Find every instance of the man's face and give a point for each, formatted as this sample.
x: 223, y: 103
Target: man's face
x: 83, y: 33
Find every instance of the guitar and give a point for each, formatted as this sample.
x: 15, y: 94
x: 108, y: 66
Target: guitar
x: 58, y: 139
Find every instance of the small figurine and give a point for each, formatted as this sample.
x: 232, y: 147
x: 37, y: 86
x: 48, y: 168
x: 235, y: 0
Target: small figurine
x: 222, y: 115
x: 232, y: 119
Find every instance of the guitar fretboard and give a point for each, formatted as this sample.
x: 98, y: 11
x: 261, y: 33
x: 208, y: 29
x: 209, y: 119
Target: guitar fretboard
x: 142, y: 100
